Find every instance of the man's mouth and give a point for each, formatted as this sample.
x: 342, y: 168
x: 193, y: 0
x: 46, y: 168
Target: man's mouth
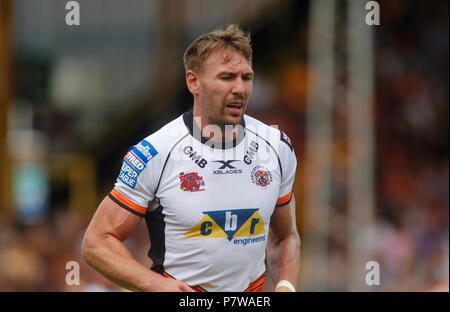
x: 235, y: 105
x: 235, y: 108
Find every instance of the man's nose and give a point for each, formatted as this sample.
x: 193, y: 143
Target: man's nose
x: 238, y: 87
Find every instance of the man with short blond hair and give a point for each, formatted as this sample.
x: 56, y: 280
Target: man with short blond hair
x: 209, y: 184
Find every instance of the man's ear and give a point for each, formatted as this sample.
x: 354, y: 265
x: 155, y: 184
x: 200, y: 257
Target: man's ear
x: 192, y: 82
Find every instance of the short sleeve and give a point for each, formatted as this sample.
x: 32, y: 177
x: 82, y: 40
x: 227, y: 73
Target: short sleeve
x: 288, y: 166
x: 136, y: 183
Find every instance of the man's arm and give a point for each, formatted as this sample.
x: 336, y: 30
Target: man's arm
x: 103, y: 249
x: 285, y: 244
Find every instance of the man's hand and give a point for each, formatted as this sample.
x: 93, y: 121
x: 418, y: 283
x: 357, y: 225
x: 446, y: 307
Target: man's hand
x: 172, y: 285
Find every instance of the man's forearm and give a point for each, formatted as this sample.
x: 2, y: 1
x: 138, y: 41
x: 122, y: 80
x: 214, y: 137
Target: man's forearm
x: 289, y: 259
x: 110, y: 257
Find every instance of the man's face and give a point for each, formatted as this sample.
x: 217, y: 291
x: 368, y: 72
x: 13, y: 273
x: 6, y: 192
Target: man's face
x: 225, y: 85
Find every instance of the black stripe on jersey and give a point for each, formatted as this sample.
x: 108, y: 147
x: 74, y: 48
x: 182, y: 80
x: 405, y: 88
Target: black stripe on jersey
x: 284, y: 138
x: 156, y: 230
x: 165, y: 163
x: 278, y: 157
x: 125, y: 206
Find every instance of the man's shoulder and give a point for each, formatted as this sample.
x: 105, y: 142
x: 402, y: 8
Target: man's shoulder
x: 164, y: 138
x: 258, y: 126
x: 270, y: 133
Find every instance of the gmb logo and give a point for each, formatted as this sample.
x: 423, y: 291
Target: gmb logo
x: 229, y: 224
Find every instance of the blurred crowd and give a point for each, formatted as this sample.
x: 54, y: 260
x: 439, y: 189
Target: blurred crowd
x: 38, y: 257
x: 412, y: 153
x: 411, y: 121
x: 412, y: 170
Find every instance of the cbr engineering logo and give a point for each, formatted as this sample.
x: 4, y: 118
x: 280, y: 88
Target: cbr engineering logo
x: 230, y: 224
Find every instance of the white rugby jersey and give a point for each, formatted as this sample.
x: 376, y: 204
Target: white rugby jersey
x: 208, y: 208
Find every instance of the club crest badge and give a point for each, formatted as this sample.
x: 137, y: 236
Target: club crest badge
x: 191, y: 182
x: 261, y: 176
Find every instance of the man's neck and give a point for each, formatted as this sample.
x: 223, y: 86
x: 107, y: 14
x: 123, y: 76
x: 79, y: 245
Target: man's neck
x: 206, y: 132
x: 216, y: 132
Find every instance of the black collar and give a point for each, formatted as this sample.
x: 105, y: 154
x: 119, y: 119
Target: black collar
x: 188, y: 118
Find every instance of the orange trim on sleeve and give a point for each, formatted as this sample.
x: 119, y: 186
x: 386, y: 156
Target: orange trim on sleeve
x: 128, y: 202
x: 283, y: 200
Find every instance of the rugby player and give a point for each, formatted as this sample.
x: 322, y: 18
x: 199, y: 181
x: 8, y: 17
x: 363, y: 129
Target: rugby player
x: 209, y: 184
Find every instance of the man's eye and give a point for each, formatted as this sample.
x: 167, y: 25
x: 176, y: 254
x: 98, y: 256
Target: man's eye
x: 226, y: 78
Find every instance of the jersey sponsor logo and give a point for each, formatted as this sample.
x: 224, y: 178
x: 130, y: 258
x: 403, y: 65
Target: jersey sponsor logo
x: 251, y: 240
x: 251, y: 152
x: 230, y: 224
x: 132, y: 167
x: 128, y: 175
x: 135, y: 162
x: 191, y: 182
x: 261, y: 176
x: 226, y: 167
x: 196, y: 157
x: 144, y: 151
x: 226, y: 164
x: 234, y: 171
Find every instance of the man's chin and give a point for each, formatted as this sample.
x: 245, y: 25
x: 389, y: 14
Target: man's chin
x: 232, y: 115
x: 233, y: 120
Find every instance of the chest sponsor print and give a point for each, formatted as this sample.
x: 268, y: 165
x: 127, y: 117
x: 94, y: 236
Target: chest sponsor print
x: 232, y: 224
x: 226, y: 167
x: 191, y: 182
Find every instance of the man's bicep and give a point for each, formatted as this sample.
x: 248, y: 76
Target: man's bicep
x: 283, y: 219
x: 111, y: 219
